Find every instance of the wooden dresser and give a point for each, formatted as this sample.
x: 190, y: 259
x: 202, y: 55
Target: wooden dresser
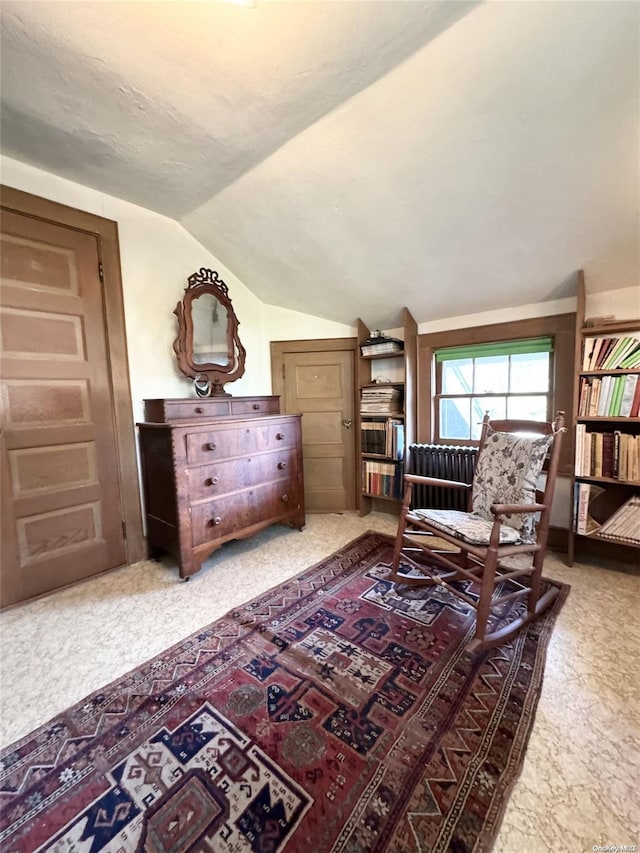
x: 217, y: 469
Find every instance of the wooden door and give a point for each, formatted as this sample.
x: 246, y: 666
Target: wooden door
x: 320, y: 385
x: 62, y: 512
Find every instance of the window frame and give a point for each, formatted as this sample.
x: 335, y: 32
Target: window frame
x: 560, y: 327
x: 437, y: 397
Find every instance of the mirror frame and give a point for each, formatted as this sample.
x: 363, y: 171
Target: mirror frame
x: 216, y: 375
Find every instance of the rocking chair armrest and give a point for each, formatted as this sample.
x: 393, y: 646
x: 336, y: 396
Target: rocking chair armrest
x: 510, y: 509
x: 417, y: 479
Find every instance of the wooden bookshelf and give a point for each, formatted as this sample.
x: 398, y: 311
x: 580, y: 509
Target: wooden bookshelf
x: 606, y: 473
x: 380, y: 473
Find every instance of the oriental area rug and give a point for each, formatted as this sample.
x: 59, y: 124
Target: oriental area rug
x: 328, y: 714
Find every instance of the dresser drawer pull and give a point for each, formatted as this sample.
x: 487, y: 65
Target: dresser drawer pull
x: 284, y: 498
x: 282, y: 465
x: 211, y: 481
x: 256, y: 406
x: 279, y: 436
x: 213, y: 522
x: 199, y: 410
x: 210, y: 446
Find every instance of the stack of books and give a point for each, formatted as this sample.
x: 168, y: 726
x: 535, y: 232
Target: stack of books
x: 624, y: 524
x: 380, y: 345
x: 381, y: 400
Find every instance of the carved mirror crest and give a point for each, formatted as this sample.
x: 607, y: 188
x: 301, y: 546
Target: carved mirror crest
x: 208, y: 347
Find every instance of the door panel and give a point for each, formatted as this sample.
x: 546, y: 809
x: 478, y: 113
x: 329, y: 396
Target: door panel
x: 61, y: 498
x: 320, y: 385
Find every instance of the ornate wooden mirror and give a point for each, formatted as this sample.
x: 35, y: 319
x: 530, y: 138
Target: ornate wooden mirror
x: 208, y: 347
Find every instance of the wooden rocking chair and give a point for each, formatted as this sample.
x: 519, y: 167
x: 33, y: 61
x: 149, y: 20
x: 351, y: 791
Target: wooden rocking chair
x: 498, y: 539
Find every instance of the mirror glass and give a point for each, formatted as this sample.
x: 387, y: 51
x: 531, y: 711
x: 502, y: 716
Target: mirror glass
x: 209, y: 319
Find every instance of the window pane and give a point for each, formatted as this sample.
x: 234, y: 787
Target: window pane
x: 530, y: 372
x: 496, y: 406
x: 457, y: 376
x: 454, y: 418
x: 492, y: 375
x: 532, y: 408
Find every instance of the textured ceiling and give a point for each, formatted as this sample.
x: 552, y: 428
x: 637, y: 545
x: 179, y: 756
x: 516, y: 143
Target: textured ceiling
x: 347, y: 158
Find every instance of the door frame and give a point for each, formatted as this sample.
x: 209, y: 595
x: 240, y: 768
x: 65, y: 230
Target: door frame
x: 105, y: 232
x: 281, y: 348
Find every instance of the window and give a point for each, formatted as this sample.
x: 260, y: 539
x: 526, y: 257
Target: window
x: 509, y: 379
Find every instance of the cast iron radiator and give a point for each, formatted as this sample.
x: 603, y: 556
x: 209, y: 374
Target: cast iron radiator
x: 446, y: 462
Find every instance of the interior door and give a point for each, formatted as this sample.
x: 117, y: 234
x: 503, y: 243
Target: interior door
x: 62, y: 517
x: 321, y: 386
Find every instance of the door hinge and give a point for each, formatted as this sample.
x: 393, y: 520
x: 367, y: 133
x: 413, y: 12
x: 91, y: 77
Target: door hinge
x: 283, y: 371
x: 101, y: 271
x: 124, y: 530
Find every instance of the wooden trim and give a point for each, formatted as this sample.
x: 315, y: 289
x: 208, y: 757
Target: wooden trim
x: 559, y: 326
x: 106, y: 233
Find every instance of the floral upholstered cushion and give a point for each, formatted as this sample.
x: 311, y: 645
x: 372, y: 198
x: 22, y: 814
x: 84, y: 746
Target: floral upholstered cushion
x: 507, y: 473
x: 465, y: 525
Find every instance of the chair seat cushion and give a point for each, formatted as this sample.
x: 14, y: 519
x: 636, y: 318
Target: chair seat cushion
x: 464, y: 525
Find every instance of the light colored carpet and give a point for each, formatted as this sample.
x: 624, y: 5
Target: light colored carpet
x: 579, y: 785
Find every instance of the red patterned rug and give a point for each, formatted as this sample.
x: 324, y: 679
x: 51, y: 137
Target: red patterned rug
x: 328, y: 714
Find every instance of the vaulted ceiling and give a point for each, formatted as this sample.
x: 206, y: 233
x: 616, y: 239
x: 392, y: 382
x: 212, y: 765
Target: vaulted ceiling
x: 347, y: 158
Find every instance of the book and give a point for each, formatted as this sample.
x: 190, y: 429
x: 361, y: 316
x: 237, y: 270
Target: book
x: 582, y: 512
x: 616, y: 397
x: 596, y: 454
x: 635, y: 405
x: 607, y: 454
x: 605, y: 396
x: 628, y: 393
x: 579, y: 453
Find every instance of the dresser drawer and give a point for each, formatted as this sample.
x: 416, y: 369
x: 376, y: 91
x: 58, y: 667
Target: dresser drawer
x: 207, y: 481
x: 205, y: 446
x: 164, y: 410
x: 255, y: 406
x: 224, y: 515
x: 161, y: 411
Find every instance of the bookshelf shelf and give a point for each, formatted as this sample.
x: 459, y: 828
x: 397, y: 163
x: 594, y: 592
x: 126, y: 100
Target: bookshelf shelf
x: 604, y: 419
x: 606, y: 478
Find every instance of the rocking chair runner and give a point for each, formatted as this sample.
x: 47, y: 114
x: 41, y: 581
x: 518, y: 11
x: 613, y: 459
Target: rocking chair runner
x: 498, y: 539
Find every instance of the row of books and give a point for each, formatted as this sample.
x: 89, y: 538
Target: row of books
x: 615, y: 454
x: 385, y: 399
x: 383, y: 438
x: 610, y: 396
x: 611, y: 353
x: 383, y: 479
x: 623, y: 525
x: 381, y: 345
